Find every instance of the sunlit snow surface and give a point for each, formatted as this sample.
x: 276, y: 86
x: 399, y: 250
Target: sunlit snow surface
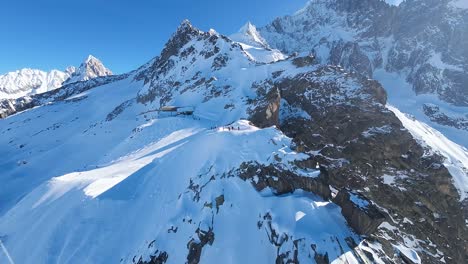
x: 77, y: 189
x: 463, y: 4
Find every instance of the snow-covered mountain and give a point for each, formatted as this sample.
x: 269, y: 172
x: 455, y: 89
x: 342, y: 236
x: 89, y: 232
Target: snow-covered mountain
x: 417, y: 50
x: 288, y: 161
x: 266, y: 159
x: 32, y: 81
x: 255, y: 46
x: 89, y: 69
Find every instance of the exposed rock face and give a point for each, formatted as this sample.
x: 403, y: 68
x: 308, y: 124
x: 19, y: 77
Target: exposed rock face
x: 360, y: 213
x: 195, y: 247
x: 360, y: 143
x: 267, y: 111
x: 437, y: 115
x: 285, y: 181
x: 304, y: 61
x: 425, y: 40
x: 348, y: 129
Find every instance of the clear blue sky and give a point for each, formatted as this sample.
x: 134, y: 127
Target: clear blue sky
x: 124, y: 34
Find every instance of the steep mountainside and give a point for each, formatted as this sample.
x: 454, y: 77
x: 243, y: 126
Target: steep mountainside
x: 286, y: 162
x: 417, y: 50
x: 27, y: 82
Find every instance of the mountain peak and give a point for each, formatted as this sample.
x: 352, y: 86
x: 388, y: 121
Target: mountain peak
x: 185, y: 28
x: 184, y: 33
x: 185, y: 24
x: 248, y: 34
x: 248, y: 27
x: 91, y: 59
x: 91, y: 68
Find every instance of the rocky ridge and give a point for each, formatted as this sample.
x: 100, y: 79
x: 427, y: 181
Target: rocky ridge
x: 329, y: 134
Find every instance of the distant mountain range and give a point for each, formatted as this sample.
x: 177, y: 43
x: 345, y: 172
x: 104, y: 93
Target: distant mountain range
x: 288, y: 143
x: 32, y: 81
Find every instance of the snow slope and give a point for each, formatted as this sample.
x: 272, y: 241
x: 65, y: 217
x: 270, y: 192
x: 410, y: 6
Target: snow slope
x: 132, y: 179
x: 102, y: 177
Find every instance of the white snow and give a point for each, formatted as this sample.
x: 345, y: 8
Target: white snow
x: 394, y: 2
x: 89, y: 69
x: 377, y: 130
x: 255, y: 46
x: 99, y: 192
x: 409, y: 253
x: 78, y: 188
x: 299, y: 215
x: 32, y: 81
x: 361, y: 203
x: 77, y: 216
x: 463, y: 4
x: 388, y: 179
x: 436, y: 61
x: 456, y: 156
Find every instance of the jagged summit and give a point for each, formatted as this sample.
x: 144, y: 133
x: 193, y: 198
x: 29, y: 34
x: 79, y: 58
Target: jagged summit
x: 89, y: 69
x: 184, y: 33
x: 26, y: 82
x: 248, y: 34
x: 185, y: 24
x: 255, y: 45
x: 91, y: 59
x: 192, y: 49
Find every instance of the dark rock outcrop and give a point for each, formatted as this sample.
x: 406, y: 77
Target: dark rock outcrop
x: 361, y: 214
x: 437, y: 115
x: 195, y: 247
x: 283, y: 181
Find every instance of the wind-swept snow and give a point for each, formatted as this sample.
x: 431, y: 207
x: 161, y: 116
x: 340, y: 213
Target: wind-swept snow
x: 79, y: 185
x: 410, y: 254
x: 456, y: 156
x: 147, y: 192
